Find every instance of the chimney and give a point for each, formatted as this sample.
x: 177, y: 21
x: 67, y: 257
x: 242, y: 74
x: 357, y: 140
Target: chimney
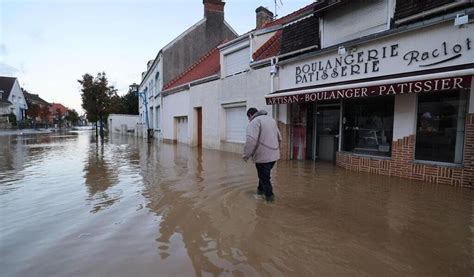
x: 213, y: 7
x: 263, y: 16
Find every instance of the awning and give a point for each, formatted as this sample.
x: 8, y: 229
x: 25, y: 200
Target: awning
x: 459, y: 79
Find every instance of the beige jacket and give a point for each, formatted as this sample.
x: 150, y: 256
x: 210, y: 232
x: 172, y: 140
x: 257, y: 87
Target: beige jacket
x: 263, y: 139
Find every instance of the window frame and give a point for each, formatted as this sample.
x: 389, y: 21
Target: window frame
x: 440, y: 163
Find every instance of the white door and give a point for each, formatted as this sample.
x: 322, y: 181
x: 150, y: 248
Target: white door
x: 182, y: 129
x: 236, y: 124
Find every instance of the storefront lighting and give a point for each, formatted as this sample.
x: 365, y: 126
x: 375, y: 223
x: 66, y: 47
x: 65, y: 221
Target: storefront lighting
x: 341, y: 51
x: 461, y: 19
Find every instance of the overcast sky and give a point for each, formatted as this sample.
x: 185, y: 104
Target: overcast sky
x: 49, y: 44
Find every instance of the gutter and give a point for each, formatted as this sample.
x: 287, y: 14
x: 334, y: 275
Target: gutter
x: 432, y: 11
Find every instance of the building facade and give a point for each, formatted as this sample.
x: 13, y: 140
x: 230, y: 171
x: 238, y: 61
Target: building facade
x: 177, y: 56
x: 12, y: 100
x: 390, y: 94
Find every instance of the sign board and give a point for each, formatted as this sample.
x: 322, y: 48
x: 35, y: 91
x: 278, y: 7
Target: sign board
x: 421, y: 49
x: 443, y: 84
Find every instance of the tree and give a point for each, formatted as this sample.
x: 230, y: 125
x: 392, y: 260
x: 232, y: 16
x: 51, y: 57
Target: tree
x: 33, y: 110
x: 96, y: 97
x: 130, y: 101
x: 117, y: 105
x: 44, y: 114
x: 72, y: 117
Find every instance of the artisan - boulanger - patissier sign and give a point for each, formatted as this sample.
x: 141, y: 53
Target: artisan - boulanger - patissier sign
x: 442, y: 84
x: 428, y: 48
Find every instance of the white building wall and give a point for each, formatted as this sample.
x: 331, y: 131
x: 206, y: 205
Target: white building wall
x: 249, y: 89
x: 404, y: 121
x: 205, y: 96
x: 351, y: 21
x: 152, y: 84
x: 174, y: 105
x: 120, y: 123
x: 18, y: 101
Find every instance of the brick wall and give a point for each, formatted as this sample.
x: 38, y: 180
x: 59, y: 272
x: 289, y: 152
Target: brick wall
x: 401, y: 163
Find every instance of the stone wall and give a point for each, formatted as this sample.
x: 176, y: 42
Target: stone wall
x: 401, y: 163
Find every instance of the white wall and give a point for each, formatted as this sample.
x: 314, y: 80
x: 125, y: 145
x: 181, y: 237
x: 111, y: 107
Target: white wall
x: 174, y: 105
x: 122, y: 122
x: 205, y: 96
x: 404, y: 121
x: 351, y: 21
x: 18, y: 101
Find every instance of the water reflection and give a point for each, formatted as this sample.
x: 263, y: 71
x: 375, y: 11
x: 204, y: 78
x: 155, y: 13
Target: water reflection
x: 99, y: 176
x: 130, y: 208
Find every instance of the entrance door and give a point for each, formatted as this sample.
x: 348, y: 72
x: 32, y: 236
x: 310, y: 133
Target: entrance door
x: 199, y: 126
x: 182, y: 129
x: 327, y: 132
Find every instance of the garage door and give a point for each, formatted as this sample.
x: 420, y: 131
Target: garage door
x: 236, y: 124
x: 182, y: 129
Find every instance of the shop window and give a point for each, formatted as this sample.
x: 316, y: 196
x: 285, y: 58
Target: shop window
x: 368, y: 126
x: 440, y: 126
x: 299, y: 115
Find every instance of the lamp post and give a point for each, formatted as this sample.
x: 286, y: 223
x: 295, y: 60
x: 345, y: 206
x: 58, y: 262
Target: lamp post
x: 144, y: 97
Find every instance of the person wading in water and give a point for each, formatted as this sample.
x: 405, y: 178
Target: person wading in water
x: 262, y: 145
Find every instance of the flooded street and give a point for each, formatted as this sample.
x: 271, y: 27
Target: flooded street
x: 72, y: 207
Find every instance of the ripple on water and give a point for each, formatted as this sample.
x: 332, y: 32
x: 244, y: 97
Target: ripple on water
x: 72, y: 206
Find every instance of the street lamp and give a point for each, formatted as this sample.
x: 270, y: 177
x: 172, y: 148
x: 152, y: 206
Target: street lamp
x: 143, y: 96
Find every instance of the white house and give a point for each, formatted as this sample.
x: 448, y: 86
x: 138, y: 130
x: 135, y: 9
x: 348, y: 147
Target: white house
x: 178, y: 55
x: 12, y: 99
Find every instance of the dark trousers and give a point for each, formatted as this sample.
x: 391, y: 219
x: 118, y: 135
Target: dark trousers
x: 264, y: 183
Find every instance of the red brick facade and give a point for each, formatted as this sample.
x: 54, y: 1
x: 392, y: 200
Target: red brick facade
x: 401, y: 163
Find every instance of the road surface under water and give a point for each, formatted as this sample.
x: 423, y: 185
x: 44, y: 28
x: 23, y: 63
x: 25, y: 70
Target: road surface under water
x: 70, y: 206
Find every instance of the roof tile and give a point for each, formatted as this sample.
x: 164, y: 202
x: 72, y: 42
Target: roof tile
x: 206, y: 66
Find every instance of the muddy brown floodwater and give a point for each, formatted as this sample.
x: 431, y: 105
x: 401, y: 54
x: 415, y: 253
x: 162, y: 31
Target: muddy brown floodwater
x: 72, y: 207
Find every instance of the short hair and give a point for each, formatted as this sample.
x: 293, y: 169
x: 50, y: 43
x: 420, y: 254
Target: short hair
x: 251, y: 112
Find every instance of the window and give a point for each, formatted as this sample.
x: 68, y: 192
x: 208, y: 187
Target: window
x: 368, y: 126
x: 237, y: 61
x: 236, y: 124
x: 440, y: 126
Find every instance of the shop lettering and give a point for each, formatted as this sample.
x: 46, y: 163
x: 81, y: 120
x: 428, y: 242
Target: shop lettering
x: 362, y: 62
x: 441, y: 54
x: 369, y: 61
x: 381, y: 90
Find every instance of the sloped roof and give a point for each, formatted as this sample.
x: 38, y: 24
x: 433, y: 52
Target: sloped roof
x: 289, y: 17
x: 206, y: 66
x: 6, y: 85
x: 296, y: 36
x: 35, y: 98
x: 270, y: 48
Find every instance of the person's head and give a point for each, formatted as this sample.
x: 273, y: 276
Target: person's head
x: 251, y: 112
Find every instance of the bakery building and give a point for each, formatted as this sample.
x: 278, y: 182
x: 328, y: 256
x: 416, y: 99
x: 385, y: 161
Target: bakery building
x: 388, y: 91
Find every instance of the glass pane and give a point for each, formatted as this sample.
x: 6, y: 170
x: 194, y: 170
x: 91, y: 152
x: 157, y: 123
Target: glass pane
x: 440, y: 126
x: 298, y: 136
x: 368, y: 126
